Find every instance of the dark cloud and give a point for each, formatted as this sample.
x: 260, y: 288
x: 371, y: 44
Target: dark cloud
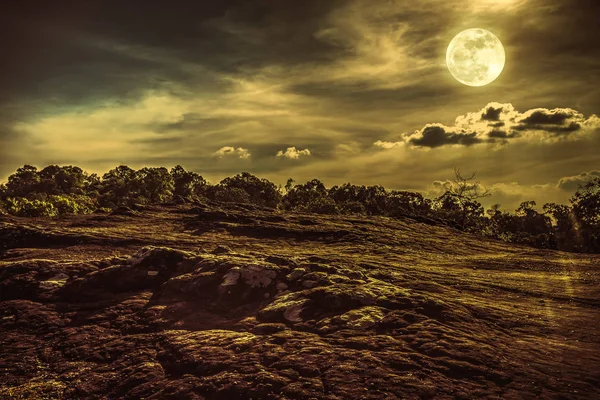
x: 554, y: 121
x: 571, y: 127
x: 548, y: 117
x: 578, y: 22
x: 492, y: 114
x: 572, y: 183
x: 500, y: 134
x: 436, y: 136
x: 77, y: 53
x: 47, y: 62
x: 200, y: 30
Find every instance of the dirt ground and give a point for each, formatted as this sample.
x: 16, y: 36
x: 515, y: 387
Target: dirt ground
x: 210, y: 301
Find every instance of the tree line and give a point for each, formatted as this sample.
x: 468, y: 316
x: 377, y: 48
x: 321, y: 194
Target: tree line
x: 59, y: 190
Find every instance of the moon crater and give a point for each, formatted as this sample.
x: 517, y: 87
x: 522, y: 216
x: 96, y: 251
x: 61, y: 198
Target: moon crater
x: 475, y: 57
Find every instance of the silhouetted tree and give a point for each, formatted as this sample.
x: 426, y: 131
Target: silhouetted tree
x: 534, y: 228
x: 400, y: 202
x: 466, y: 188
x: 23, y: 182
x: 47, y: 182
x: 347, y: 198
x: 373, y: 199
x: 260, y: 191
x: 525, y: 226
x: 187, y: 183
x: 62, y: 180
x: 564, y: 236
x: 289, y: 184
x: 92, y: 185
x: 153, y: 185
x: 57, y: 190
x: 311, y: 196
x: 118, y: 187
x: 586, y: 209
x: 459, y: 203
x: 493, y: 211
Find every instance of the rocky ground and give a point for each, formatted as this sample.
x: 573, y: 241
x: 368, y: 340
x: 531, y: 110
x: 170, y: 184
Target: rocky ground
x: 238, y: 302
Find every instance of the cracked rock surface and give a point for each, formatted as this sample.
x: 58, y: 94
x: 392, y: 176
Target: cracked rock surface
x: 238, y: 302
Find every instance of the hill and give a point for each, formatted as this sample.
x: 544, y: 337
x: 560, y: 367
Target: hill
x: 216, y: 301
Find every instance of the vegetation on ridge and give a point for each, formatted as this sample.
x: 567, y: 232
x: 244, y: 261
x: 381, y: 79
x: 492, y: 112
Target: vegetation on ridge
x: 56, y: 190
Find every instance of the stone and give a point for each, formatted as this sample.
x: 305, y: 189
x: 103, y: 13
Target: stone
x: 296, y: 274
x: 292, y: 313
x: 309, y: 284
x: 221, y: 249
x: 231, y: 278
x: 258, y: 275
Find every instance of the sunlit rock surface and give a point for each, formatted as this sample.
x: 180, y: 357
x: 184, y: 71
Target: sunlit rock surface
x: 239, y: 302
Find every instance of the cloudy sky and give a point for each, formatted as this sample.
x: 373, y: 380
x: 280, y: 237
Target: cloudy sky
x: 342, y: 90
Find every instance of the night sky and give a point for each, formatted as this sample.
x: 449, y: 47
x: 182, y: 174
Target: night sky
x: 341, y: 90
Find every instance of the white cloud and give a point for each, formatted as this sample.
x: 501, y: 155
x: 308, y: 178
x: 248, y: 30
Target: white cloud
x: 228, y: 151
x: 387, y: 145
x: 293, y: 154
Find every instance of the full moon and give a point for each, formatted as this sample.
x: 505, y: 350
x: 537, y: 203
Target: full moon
x: 475, y: 57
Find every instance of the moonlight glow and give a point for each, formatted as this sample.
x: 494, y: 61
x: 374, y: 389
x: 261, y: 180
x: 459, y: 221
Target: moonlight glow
x: 475, y: 57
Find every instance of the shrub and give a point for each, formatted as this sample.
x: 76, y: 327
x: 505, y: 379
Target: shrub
x: 73, y: 204
x: 23, y: 207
